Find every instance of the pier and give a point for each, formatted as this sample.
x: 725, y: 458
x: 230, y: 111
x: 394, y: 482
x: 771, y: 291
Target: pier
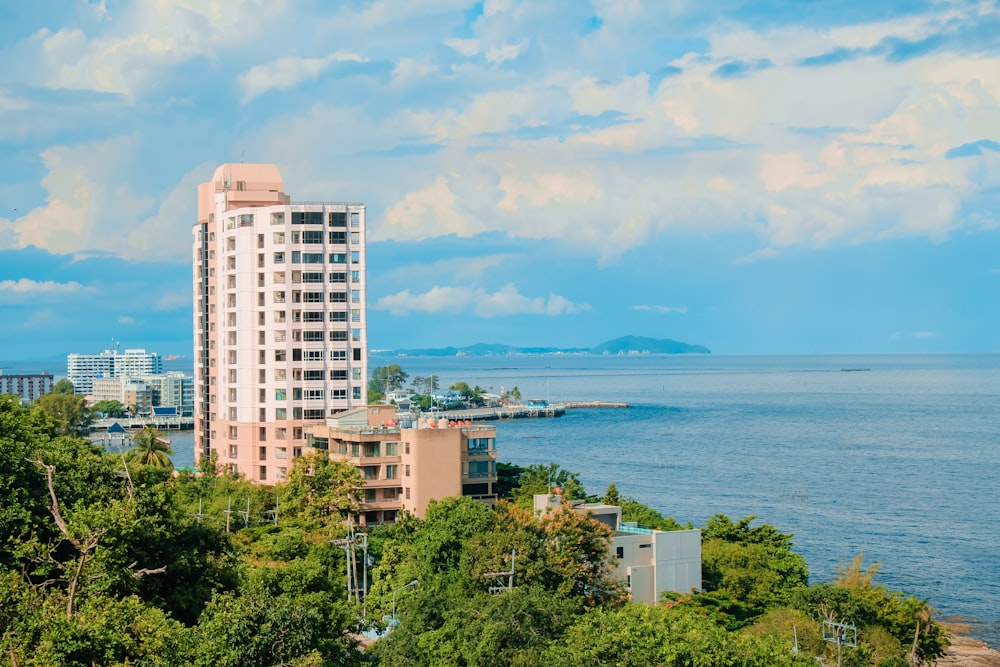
x: 134, y: 423
x: 499, y: 413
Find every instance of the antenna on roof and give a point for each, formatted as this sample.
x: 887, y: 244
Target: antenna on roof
x: 243, y: 154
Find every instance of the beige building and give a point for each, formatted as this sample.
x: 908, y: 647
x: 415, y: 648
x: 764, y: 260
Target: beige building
x: 407, y: 465
x: 649, y: 561
x: 279, y: 318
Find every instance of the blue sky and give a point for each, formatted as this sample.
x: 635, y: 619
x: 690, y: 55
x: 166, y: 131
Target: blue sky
x: 756, y: 177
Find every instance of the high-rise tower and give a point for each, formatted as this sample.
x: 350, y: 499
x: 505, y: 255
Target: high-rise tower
x: 280, y: 336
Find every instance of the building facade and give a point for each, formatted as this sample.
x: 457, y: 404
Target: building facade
x: 143, y: 393
x: 279, y: 318
x: 647, y: 560
x: 28, y: 386
x: 405, y: 465
x: 81, y: 369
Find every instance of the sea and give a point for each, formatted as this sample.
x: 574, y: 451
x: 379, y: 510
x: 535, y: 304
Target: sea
x: 893, y: 456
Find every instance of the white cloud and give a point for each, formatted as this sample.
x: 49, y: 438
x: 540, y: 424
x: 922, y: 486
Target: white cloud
x: 662, y: 309
x: 285, y: 73
x: 758, y: 255
x: 465, y: 47
x: 501, y: 54
x: 428, y: 212
x: 26, y: 290
x: 503, y: 302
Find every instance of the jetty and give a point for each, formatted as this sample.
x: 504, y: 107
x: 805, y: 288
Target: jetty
x: 499, y: 413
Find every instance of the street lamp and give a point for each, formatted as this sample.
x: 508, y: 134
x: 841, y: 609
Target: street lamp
x: 412, y: 583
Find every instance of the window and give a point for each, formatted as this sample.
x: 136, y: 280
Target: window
x: 355, y: 276
x: 337, y: 375
x: 406, y: 468
x: 281, y: 452
x: 312, y: 258
x: 313, y: 414
x: 280, y: 473
x: 391, y: 494
x: 338, y: 336
x: 278, y: 218
x: 372, y: 449
x: 280, y: 394
x: 314, y: 355
x: 406, y: 448
x: 369, y: 495
x: 233, y: 453
x: 280, y: 355
x: 233, y: 432
x: 370, y: 472
x: 338, y: 238
x: 338, y: 277
x: 279, y: 373
x: 357, y: 392
x: 338, y: 355
x: 312, y: 277
x: 355, y: 220
x: 313, y: 316
x: 619, y: 552
x: 307, y: 217
x: 356, y: 315
x: 278, y: 277
x: 338, y: 219
x: 355, y: 296
x: 296, y: 237
x: 355, y: 257
x: 338, y: 393
x: 296, y: 257
x: 312, y: 236
x: 337, y: 297
x: 391, y: 471
x: 312, y: 297
x: 313, y: 375
x: 296, y: 393
x: 312, y: 336
x: 262, y: 434
x: 297, y: 434
x: 338, y: 316
x: 263, y: 472
x: 263, y: 453
x: 279, y: 258
x: 315, y: 394
x: 278, y: 237
x: 280, y: 413
x: 260, y: 240
x: 356, y: 335
x: 338, y: 258
x: 296, y: 452
x: 355, y: 238
x: 279, y: 336
x: 279, y: 297
x: 279, y: 316
x: 407, y: 493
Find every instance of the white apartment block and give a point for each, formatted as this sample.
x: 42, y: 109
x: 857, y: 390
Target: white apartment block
x: 172, y: 389
x: 28, y: 386
x: 81, y: 369
x: 279, y: 317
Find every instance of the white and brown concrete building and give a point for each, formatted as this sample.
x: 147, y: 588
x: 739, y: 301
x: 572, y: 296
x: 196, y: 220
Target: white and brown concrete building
x: 279, y: 318
x: 406, y: 465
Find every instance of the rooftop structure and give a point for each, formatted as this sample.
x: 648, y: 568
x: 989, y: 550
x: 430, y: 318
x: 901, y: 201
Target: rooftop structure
x: 279, y: 318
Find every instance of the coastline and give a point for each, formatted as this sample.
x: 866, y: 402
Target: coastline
x: 966, y: 651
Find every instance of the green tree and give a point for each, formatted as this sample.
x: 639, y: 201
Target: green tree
x: 321, y: 492
x: 539, y: 478
x: 389, y: 378
x: 68, y: 412
x: 150, y: 447
x: 63, y: 386
x: 109, y: 408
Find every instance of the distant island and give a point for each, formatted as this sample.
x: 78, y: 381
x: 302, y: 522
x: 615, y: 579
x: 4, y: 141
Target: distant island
x: 626, y: 345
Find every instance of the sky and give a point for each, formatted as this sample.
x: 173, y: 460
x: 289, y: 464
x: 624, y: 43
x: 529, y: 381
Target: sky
x: 757, y: 177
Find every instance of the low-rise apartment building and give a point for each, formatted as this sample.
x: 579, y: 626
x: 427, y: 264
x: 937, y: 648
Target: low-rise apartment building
x: 649, y: 561
x: 405, y: 465
x: 28, y: 386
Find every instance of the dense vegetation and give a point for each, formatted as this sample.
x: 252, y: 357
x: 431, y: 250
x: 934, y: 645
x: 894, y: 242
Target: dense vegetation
x: 114, y: 560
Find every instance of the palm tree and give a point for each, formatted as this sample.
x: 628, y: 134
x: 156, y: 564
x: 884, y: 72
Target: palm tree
x: 151, y: 448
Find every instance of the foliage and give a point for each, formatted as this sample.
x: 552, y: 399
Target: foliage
x: 472, y: 396
x: 321, y: 492
x: 537, y: 478
x: 63, y: 386
x: 150, y: 447
x: 646, y: 516
x: 108, y: 408
x: 508, y: 479
x: 640, y: 635
x: 68, y: 412
x: 389, y: 378
x: 755, y: 565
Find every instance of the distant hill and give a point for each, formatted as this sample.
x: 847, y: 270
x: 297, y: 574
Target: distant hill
x: 624, y: 345
x: 643, y: 345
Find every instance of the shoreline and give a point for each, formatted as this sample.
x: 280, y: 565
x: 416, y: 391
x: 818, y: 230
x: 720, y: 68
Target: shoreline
x: 965, y: 650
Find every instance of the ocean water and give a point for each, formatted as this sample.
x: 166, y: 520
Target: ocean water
x: 900, y: 461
